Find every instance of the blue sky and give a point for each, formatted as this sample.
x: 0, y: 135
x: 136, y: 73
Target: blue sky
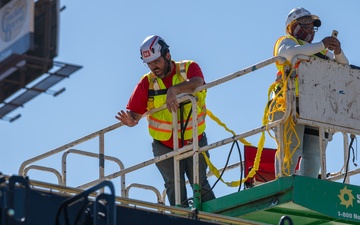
x: 222, y: 36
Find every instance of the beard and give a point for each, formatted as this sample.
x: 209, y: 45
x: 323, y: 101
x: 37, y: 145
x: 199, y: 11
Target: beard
x: 162, y: 72
x: 159, y: 72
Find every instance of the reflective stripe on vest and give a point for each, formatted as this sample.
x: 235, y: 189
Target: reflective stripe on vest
x: 160, y: 123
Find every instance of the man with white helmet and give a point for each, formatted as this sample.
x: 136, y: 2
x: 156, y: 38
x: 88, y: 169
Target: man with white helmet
x: 160, y: 86
x: 300, y: 28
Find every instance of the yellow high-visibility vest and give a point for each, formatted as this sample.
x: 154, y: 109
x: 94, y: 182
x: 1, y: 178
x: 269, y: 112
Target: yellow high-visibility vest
x: 160, y: 123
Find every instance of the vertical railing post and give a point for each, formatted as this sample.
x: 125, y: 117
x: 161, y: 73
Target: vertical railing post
x: 101, y: 157
x: 176, y: 160
x: 280, y: 154
x: 322, y: 143
x: 346, y: 156
x: 196, y: 187
x: 195, y: 143
x: 290, y: 110
x: 63, y: 169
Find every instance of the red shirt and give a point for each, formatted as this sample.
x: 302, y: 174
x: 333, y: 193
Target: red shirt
x: 139, y: 98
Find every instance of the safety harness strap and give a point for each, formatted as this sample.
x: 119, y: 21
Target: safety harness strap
x: 153, y: 93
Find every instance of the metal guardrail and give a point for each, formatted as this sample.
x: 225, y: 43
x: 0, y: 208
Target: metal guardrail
x: 179, y: 153
x: 44, y: 168
x: 100, y: 135
x: 94, y: 155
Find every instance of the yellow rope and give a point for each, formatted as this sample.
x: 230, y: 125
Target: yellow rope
x: 278, y: 104
x: 256, y: 164
x: 251, y: 173
x: 218, y: 121
x: 212, y: 168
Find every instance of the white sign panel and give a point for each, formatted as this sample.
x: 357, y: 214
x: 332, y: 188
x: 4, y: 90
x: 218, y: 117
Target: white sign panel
x: 329, y: 92
x: 16, y: 28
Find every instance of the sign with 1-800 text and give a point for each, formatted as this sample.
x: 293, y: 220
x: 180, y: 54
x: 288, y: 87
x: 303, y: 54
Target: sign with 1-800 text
x: 331, y: 198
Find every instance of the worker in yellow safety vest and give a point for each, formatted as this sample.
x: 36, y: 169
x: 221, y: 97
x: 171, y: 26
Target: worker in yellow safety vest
x: 300, y: 28
x: 160, y: 86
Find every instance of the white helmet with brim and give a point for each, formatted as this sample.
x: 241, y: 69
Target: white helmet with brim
x: 297, y: 13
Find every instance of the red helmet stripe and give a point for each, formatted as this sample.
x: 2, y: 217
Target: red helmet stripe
x: 153, y: 42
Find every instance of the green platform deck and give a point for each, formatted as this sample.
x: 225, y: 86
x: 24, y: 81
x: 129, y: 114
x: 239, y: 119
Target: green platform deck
x: 305, y: 200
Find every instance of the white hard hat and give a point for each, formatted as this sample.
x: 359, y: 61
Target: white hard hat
x: 297, y: 13
x: 152, y: 48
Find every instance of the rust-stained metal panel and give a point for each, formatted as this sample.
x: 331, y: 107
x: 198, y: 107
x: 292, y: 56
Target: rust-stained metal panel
x: 329, y: 93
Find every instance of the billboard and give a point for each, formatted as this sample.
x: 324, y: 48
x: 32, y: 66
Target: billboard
x: 16, y: 27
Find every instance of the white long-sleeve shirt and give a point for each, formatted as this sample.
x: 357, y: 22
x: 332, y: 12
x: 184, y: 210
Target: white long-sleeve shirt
x: 288, y: 48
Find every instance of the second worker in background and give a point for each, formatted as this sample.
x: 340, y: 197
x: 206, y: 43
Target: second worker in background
x: 300, y: 28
